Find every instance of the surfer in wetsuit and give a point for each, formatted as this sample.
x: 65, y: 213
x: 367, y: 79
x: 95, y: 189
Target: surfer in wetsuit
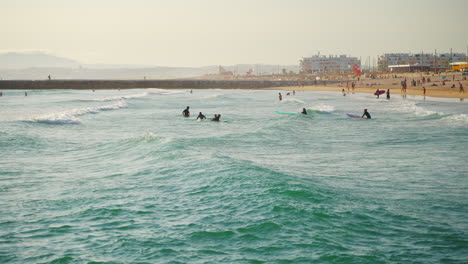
x: 280, y: 97
x: 304, y: 111
x: 216, y: 117
x: 186, y: 112
x: 388, y: 94
x: 366, y: 114
x: 377, y: 93
x: 201, y: 116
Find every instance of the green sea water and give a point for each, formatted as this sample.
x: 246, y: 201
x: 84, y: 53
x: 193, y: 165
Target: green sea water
x: 121, y: 177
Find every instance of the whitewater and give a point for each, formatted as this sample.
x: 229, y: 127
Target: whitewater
x: 119, y: 176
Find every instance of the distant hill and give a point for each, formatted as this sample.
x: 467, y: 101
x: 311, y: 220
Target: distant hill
x: 38, y: 65
x: 15, y: 60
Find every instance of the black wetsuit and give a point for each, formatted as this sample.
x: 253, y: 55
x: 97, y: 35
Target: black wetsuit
x: 186, y: 113
x: 304, y: 112
x: 200, y: 116
x: 366, y: 114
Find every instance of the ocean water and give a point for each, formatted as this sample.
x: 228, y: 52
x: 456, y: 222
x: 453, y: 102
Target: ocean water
x: 121, y: 177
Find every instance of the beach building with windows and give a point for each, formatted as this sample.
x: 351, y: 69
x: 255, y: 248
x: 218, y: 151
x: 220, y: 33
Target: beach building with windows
x: 417, y: 61
x: 321, y: 64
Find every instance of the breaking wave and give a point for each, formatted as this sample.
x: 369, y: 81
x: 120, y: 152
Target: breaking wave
x: 71, y: 116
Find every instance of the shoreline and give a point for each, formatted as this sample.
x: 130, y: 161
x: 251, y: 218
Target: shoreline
x: 430, y: 91
x: 334, y: 86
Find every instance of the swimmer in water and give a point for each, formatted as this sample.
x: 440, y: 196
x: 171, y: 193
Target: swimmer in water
x: 186, y: 112
x: 216, y: 118
x: 366, y: 114
x: 304, y: 111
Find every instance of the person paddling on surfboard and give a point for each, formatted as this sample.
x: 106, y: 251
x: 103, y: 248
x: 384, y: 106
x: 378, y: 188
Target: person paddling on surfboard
x: 201, y: 116
x: 366, y: 114
x: 304, y: 111
x: 186, y: 112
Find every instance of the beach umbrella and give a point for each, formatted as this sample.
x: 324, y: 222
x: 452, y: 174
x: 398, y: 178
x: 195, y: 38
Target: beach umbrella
x: 443, y: 77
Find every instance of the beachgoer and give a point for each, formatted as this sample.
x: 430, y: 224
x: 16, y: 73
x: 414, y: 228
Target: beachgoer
x: 25, y: 94
x: 377, y: 92
x: 461, y: 87
x: 201, y: 116
x: 343, y: 91
x: 366, y: 114
x: 288, y: 94
x: 294, y: 92
x: 388, y: 94
x: 304, y: 111
x: 191, y: 91
x: 453, y: 86
x: 280, y: 97
x: 186, y: 112
x: 424, y: 90
x: 49, y: 77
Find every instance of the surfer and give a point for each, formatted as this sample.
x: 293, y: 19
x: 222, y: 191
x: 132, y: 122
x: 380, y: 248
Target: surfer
x: 343, y: 91
x: 304, y: 111
x: 186, y: 112
x: 388, y: 94
x: 366, y: 114
x: 216, y: 117
x: 191, y: 91
x: 201, y: 116
x: 280, y: 97
x: 377, y: 93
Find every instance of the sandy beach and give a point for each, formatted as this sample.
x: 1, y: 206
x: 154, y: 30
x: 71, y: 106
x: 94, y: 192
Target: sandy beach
x: 435, y: 88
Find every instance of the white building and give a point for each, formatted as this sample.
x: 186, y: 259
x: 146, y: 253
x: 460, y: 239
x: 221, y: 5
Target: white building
x: 422, y: 59
x: 320, y: 64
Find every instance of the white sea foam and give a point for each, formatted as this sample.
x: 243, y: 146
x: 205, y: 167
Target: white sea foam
x: 458, y: 119
x: 324, y: 108
x: 165, y: 91
x: 119, y: 98
x: 210, y: 96
x: 412, y: 107
x: 71, y: 116
x: 292, y: 101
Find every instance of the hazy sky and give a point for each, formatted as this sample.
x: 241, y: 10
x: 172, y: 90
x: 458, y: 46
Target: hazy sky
x: 211, y: 32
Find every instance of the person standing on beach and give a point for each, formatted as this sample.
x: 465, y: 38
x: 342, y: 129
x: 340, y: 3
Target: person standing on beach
x: 343, y: 91
x: 388, y: 94
x: 186, y: 112
x: 424, y: 90
x: 366, y: 114
x: 280, y: 97
x: 461, y: 87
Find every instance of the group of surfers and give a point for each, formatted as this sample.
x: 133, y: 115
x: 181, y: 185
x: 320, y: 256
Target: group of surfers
x: 186, y: 113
